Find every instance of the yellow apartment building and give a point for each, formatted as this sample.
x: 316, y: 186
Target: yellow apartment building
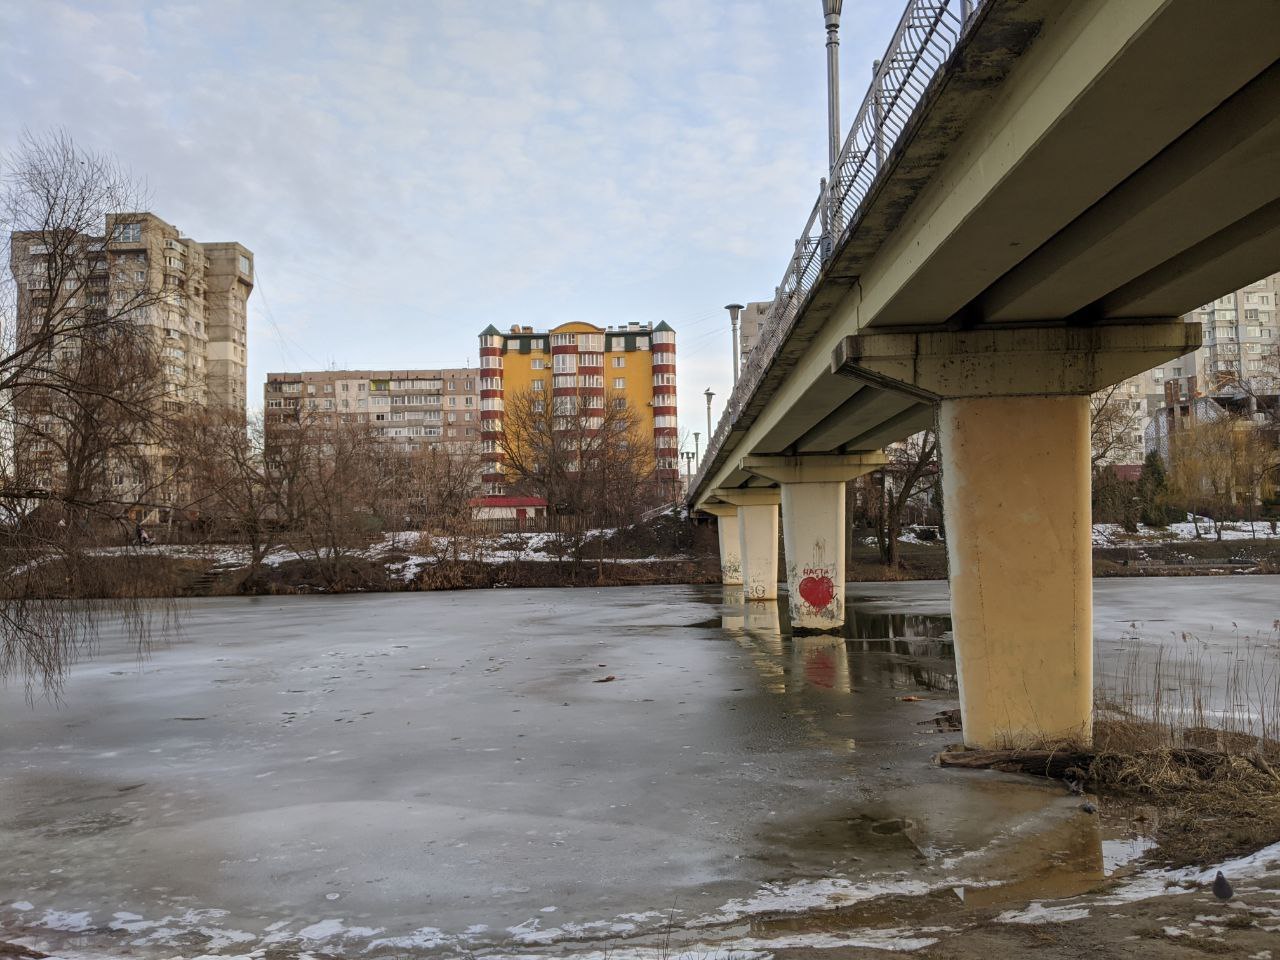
x: 635, y: 363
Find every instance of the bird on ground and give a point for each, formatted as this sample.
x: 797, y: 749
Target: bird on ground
x: 1222, y: 887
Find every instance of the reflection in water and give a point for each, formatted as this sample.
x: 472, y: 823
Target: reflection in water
x: 845, y: 692
x: 901, y: 651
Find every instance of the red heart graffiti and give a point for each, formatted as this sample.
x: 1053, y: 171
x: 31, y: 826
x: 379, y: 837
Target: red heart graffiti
x: 818, y: 592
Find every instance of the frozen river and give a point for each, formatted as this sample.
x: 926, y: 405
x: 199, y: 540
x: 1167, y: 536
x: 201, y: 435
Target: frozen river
x: 527, y: 771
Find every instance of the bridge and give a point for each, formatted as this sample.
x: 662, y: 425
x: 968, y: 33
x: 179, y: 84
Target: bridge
x: 1030, y: 195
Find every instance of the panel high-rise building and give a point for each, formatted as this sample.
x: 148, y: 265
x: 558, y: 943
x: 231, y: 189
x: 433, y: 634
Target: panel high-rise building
x: 191, y: 296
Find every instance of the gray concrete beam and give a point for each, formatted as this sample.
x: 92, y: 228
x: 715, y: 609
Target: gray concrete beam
x: 1219, y: 172
x: 1246, y: 251
x: 1017, y: 361
x: 860, y: 414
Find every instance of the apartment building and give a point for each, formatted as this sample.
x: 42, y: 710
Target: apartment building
x: 191, y: 295
x: 1239, y: 356
x: 633, y: 365
x: 411, y: 408
x: 752, y: 322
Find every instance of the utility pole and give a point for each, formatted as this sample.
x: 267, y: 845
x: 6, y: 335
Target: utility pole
x: 831, y: 12
x: 696, y: 456
x: 709, y: 395
x: 734, y: 309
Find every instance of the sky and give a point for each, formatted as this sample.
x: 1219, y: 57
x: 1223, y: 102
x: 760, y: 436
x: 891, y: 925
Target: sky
x: 407, y: 173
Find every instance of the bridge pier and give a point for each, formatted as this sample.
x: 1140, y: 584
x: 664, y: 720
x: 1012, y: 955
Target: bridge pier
x: 813, y: 530
x: 1019, y: 548
x: 757, y: 509
x: 727, y: 529
x: 1013, y: 432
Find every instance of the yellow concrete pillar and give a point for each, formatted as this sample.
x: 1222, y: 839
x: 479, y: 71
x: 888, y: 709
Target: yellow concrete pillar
x: 813, y: 530
x: 758, y: 547
x: 1015, y: 480
x: 730, y: 552
x: 757, y: 536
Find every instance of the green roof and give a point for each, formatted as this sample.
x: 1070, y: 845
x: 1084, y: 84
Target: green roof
x: 490, y: 330
x: 665, y: 327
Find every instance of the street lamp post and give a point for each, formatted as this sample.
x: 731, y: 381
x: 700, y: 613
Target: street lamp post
x: 734, y: 309
x: 831, y: 12
x: 697, y: 457
x: 689, y: 457
x: 709, y: 395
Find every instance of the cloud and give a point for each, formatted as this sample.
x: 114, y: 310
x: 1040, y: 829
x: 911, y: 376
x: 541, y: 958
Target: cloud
x: 409, y: 172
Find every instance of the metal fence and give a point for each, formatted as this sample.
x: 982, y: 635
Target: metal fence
x: 924, y: 39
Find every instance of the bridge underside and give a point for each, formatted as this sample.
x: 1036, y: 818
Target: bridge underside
x: 1077, y: 178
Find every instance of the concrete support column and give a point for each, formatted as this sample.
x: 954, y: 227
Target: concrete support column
x: 1020, y: 554
x: 757, y: 536
x: 813, y: 531
x: 758, y: 544
x: 1014, y: 436
x: 813, y: 528
x: 727, y: 525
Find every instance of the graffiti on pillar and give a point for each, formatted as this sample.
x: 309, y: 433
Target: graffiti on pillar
x: 816, y: 587
x: 731, y: 570
x: 755, y: 591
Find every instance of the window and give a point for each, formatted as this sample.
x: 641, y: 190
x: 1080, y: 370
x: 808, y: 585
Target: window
x: 139, y: 276
x: 537, y: 345
x: 591, y: 341
x: 565, y: 380
x: 619, y: 362
x: 591, y: 359
x: 664, y: 379
x: 619, y: 383
x: 245, y: 268
x: 468, y: 401
x: 486, y: 363
x: 564, y: 363
x: 563, y: 339
x: 1251, y: 314
x: 126, y: 233
x: 539, y: 386
x: 539, y: 406
x: 665, y: 421
x: 591, y: 381
x: 537, y: 363
x: 642, y: 343
x: 664, y: 336
x: 490, y: 383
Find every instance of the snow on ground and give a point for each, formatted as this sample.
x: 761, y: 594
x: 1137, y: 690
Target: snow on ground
x: 1112, y: 534
x: 420, y: 550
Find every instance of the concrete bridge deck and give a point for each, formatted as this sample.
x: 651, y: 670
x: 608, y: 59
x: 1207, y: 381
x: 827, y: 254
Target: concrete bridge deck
x: 1027, y: 202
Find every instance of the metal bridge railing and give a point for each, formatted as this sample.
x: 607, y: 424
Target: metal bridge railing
x: 925, y: 37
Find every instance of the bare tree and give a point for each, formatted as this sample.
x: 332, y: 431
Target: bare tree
x: 79, y: 400
x: 336, y: 482
x: 910, y: 474
x: 586, y: 456
x: 1115, y: 426
x: 229, y: 489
